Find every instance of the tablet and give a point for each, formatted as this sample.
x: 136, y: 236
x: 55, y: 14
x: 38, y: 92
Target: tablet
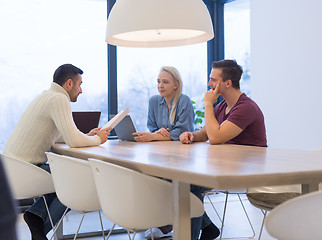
x: 116, y: 119
x: 125, y: 128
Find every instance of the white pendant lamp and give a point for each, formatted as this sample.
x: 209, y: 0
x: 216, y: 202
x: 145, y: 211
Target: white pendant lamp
x: 158, y: 23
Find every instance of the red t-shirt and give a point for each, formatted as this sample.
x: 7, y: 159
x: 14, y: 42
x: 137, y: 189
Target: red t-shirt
x: 247, y: 115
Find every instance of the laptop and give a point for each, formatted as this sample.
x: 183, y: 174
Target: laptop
x: 125, y: 128
x: 86, y: 121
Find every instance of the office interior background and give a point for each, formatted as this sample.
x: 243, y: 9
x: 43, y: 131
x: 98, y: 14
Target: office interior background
x: 278, y: 43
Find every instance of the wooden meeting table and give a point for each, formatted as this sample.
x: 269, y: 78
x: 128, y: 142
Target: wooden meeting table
x: 214, y: 166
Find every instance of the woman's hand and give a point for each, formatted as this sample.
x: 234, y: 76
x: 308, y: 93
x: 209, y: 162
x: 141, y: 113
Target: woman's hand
x: 164, y: 132
x: 143, y: 136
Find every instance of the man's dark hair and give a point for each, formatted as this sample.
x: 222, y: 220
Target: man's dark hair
x: 230, y: 70
x: 65, y: 72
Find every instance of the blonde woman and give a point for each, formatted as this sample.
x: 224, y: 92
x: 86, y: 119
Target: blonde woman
x: 171, y: 112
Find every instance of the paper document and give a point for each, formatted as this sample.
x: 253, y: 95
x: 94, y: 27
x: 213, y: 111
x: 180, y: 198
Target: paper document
x: 116, y: 119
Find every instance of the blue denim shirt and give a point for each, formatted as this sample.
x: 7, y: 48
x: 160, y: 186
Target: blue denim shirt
x: 158, y: 116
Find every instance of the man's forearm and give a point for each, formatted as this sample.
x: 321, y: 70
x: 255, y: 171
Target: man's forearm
x: 211, y: 124
x: 200, y: 136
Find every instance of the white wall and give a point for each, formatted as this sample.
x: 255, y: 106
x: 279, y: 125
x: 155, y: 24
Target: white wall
x: 286, y: 66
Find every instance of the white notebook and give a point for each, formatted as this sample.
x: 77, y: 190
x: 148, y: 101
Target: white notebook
x: 116, y: 119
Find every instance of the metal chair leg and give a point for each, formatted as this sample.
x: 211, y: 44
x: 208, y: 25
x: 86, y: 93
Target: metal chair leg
x: 49, y: 215
x: 61, y: 219
x: 152, y: 237
x: 224, y: 215
x: 128, y: 233
x: 262, y: 226
x: 250, y: 224
x: 110, y: 232
x: 99, y: 213
x: 131, y: 238
x: 213, y: 206
x: 83, y: 214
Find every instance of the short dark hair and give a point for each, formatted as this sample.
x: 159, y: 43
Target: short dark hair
x: 230, y: 70
x: 65, y: 72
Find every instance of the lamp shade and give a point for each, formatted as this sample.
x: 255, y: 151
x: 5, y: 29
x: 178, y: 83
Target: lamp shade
x: 158, y: 23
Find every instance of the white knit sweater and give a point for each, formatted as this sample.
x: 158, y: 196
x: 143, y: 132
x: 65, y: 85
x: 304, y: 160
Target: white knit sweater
x: 48, y: 117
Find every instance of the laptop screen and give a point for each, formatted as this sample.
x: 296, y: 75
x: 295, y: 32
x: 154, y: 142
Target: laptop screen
x: 86, y: 121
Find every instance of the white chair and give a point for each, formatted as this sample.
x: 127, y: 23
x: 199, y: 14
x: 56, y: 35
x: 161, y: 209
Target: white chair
x: 268, y: 197
x: 297, y: 219
x: 134, y: 200
x: 27, y: 180
x: 75, y: 187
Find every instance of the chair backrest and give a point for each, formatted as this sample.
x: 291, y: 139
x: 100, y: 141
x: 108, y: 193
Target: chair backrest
x: 25, y: 179
x: 268, y: 197
x: 74, y: 182
x: 296, y: 188
x: 134, y: 200
x: 297, y: 219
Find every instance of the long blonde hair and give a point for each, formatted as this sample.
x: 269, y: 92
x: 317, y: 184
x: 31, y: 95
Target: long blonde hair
x: 177, y: 78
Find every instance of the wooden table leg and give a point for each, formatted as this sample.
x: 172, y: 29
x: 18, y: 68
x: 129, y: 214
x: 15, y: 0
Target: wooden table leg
x: 181, y: 205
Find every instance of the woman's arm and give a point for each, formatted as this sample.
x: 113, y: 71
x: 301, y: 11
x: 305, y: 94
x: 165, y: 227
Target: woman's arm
x: 148, y: 137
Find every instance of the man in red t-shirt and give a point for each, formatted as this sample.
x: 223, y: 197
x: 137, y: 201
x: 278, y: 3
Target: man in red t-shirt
x: 237, y: 119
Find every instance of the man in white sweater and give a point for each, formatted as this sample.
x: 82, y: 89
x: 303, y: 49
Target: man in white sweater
x: 46, y: 119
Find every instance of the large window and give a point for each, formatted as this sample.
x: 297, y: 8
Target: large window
x: 237, y: 38
x: 138, y: 69
x: 36, y: 38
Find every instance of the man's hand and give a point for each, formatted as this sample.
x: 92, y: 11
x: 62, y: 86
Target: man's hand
x: 212, y: 95
x: 104, y: 133
x: 164, y: 132
x: 186, y: 137
x: 94, y: 131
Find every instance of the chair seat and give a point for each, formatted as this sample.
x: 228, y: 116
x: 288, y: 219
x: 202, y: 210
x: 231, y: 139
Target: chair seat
x: 268, y: 201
